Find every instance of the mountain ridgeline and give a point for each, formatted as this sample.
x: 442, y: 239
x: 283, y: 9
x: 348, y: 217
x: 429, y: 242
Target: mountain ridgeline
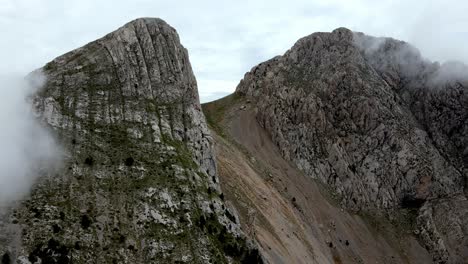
x: 346, y: 149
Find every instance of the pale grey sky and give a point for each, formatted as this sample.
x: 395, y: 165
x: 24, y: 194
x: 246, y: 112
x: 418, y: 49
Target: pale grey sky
x: 226, y: 38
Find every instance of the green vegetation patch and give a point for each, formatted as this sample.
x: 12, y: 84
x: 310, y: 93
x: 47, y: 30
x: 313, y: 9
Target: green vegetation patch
x: 215, y: 111
x: 232, y: 246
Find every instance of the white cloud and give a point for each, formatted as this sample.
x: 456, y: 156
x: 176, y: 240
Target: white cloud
x: 26, y: 146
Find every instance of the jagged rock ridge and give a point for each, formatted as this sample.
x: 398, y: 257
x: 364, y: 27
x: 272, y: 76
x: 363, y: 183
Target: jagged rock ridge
x: 382, y: 126
x: 139, y: 182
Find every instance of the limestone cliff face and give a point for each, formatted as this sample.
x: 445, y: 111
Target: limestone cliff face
x: 139, y: 181
x: 382, y: 126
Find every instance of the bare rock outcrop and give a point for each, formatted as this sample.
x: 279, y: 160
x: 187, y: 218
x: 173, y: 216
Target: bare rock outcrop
x: 377, y: 122
x: 139, y: 181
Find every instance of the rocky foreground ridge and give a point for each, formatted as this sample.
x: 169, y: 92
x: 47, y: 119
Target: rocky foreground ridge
x: 372, y: 118
x: 139, y: 181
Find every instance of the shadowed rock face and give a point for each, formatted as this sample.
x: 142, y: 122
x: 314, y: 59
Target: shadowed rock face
x: 373, y: 119
x: 139, y: 181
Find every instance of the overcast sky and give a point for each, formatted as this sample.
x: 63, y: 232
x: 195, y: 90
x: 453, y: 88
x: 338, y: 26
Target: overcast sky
x: 225, y: 39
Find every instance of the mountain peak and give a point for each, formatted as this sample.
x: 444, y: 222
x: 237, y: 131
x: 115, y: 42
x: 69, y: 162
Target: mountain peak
x: 384, y: 127
x: 139, y: 182
x: 343, y: 31
x: 151, y: 23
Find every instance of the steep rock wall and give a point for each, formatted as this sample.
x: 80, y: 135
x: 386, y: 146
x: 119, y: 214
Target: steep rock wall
x: 139, y: 181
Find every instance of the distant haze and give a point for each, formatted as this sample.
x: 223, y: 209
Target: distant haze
x: 382, y: 51
x: 226, y: 38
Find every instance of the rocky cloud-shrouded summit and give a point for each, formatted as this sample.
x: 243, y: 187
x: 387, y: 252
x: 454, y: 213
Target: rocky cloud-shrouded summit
x: 138, y: 183
x: 373, y: 119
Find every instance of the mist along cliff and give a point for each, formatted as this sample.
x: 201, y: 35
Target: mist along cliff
x: 385, y: 128
x: 138, y: 183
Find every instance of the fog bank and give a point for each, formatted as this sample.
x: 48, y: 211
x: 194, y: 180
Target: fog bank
x: 27, y: 148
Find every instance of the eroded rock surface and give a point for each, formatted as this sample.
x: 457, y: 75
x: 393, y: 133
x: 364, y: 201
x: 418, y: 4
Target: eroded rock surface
x: 374, y: 120
x: 139, y: 181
